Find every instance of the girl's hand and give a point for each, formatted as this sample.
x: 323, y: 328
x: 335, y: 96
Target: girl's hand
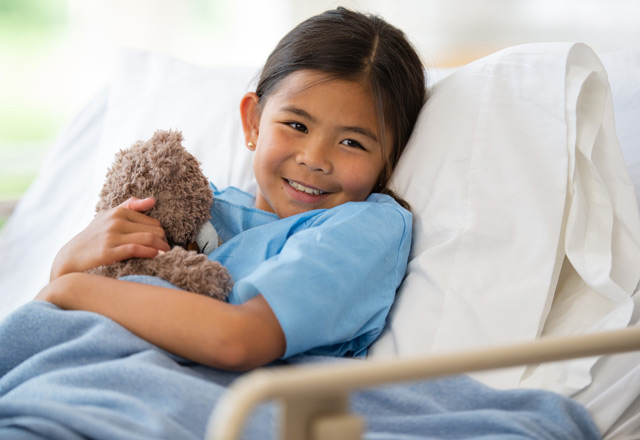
x: 115, y: 235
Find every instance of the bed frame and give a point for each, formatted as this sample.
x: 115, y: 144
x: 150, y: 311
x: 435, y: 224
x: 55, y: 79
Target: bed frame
x: 315, y: 398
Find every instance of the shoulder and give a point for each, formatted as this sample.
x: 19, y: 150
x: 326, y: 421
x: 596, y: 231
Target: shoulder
x: 378, y: 211
x: 376, y: 203
x: 234, y: 212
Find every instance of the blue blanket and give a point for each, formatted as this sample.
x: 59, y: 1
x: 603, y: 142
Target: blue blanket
x: 78, y: 375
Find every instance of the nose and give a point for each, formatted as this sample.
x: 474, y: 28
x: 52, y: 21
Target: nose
x: 315, y: 155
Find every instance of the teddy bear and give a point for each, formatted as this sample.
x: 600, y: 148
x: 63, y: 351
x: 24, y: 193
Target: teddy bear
x: 163, y: 169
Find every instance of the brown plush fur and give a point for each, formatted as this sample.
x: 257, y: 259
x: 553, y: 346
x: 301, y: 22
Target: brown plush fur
x: 161, y: 168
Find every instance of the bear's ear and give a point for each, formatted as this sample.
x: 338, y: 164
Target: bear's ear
x: 250, y: 113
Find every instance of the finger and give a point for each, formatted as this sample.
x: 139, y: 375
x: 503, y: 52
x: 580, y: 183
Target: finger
x: 133, y: 250
x: 143, y: 220
x: 120, y: 229
x: 139, y: 205
x: 144, y: 238
x: 122, y: 212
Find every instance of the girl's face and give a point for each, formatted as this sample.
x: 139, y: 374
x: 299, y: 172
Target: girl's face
x: 317, y: 143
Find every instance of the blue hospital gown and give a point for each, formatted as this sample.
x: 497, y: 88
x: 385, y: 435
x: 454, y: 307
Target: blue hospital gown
x: 329, y: 275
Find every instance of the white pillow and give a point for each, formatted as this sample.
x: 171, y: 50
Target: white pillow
x: 151, y: 91
x: 52, y: 211
x: 518, y: 166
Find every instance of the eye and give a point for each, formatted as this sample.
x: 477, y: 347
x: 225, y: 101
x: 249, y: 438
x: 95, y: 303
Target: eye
x: 353, y: 144
x: 298, y: 126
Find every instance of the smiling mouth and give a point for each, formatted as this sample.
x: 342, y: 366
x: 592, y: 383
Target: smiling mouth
x: 305, y: 189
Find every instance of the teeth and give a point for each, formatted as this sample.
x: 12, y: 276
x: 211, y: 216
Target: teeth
x: 311, y: 191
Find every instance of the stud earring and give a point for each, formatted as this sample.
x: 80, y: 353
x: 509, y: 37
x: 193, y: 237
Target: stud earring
x: 251, y: 146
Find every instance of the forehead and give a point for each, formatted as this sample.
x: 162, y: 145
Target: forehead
x: 311, y: 84
x: 306, y: 78
x: 322, y: 94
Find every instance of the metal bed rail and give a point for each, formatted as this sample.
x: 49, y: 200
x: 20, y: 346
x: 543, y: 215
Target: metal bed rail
x: 315, y: 397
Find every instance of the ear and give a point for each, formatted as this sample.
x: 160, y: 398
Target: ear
x: 250, y: 114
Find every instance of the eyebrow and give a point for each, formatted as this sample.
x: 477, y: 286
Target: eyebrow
x: 354, y: 129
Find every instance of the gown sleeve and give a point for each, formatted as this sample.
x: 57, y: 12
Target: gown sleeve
x: 333, y: 277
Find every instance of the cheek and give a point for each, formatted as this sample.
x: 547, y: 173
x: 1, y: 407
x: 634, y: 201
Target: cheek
x: 359, y: 181
x: 273, y: 145
x: 270, y: 161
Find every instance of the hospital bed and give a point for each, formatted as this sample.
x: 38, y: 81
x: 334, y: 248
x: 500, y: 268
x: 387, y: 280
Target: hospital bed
x: 523, y: 174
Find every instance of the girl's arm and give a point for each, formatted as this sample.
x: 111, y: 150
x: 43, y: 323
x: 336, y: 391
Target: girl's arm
x: 193, y: 326
x: 211, y: 332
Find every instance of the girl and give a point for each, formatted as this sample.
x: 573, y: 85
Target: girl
x: 314, y: 272
x: 317, y: 256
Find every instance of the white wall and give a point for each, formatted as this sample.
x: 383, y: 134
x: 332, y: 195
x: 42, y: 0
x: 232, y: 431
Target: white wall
x: 445, y: 31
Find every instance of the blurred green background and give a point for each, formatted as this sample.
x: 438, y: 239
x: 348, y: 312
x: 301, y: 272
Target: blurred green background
x: 32, y: 33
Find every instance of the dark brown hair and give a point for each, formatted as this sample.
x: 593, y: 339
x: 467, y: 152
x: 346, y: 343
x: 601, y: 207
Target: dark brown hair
x: 358, y: 47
